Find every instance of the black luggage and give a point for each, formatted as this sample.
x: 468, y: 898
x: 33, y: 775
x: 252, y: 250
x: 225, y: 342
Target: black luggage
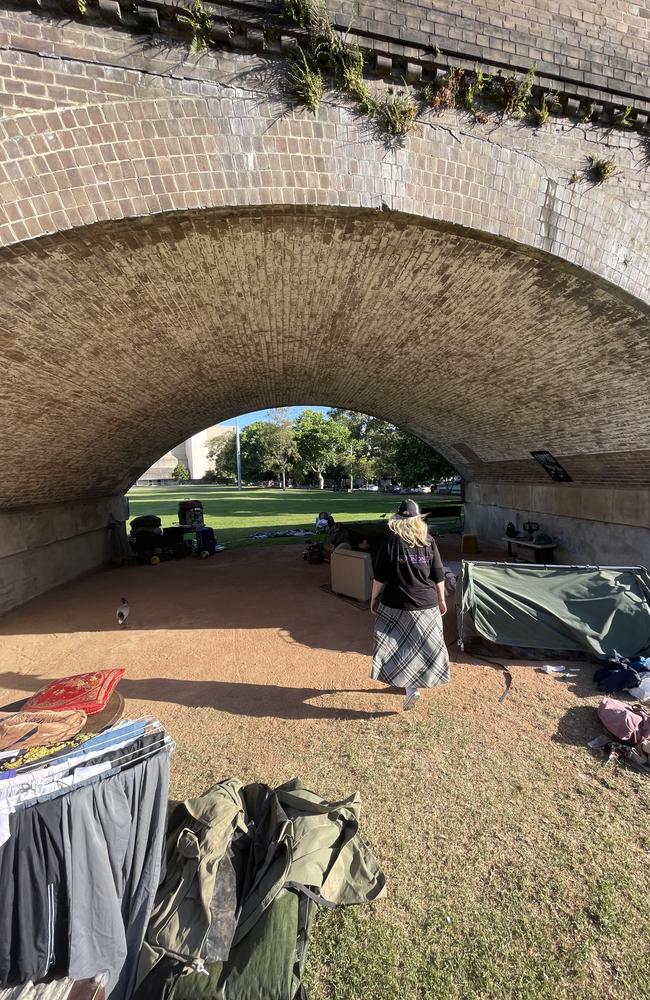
x: 205, y: 541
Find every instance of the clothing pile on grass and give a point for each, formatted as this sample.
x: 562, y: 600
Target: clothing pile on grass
x: 245, y: 868
x: 83, y: 801
x: 282, y: 533
x: 622, y: 673
x: 101, y: 883
x: 630, y: 725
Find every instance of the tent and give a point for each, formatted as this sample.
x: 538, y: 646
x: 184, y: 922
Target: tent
x: 564, y: 609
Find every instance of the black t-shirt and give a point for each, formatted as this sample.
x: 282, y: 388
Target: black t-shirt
x: 409, y: 572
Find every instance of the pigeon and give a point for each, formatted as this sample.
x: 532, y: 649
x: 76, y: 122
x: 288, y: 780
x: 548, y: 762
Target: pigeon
x: 123, y: 612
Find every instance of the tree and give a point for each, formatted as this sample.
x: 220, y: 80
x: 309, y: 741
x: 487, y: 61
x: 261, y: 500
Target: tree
x: 221, y: 452
x: 374, y: 442
x: 181, y: 473
x: 282, y: 447
x: 256, y: 451
x: 416, y: 462
x: 322, y: 443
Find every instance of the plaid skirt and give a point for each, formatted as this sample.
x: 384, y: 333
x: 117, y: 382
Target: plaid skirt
x: 409, y: 648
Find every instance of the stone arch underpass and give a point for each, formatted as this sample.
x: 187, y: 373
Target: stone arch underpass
x: 166, y: 264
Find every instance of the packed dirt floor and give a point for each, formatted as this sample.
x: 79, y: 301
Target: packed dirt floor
x: 515, y: 861
x: 245, y: 654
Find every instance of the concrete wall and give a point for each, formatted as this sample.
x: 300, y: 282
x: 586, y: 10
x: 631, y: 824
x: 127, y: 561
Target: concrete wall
x: 590, y: 526
x: 44, y: 547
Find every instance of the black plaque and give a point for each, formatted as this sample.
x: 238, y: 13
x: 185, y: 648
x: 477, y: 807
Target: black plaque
x: 552, y: 466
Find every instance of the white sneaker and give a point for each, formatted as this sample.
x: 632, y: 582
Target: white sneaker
x: 411, y: 699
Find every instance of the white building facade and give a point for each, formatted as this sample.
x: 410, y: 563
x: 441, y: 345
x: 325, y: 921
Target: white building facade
x: 193, y: 453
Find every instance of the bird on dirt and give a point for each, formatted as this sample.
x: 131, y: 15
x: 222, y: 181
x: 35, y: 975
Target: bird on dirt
x: 123, y: 612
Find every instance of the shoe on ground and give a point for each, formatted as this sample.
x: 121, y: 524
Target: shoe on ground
x: 411, y: 700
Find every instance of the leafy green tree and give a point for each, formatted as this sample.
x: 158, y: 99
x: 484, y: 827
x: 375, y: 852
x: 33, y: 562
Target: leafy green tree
x: 257, y: 452
x: 322, y: 443
x: 417, y: 463
x: 222, y: 454
x: 282, y: 447
x: 374, y: 444
x: 181, y: 473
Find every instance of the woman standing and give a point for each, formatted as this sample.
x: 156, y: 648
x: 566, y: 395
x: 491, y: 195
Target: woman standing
x: 408, y: 598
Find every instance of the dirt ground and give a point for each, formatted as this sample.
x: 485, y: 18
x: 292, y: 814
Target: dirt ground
x: 245, y: 652
x: 245, y: 648
x: 506, y: 844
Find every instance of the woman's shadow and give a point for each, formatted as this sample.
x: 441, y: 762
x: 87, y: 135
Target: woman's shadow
x: 235, y: 698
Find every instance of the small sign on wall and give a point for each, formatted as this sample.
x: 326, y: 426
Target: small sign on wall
x: 556, y: 471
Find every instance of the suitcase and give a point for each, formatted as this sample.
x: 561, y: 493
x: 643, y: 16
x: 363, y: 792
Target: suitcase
x: 351, y: 574
x: 205, y: 540
x: 190, y: 512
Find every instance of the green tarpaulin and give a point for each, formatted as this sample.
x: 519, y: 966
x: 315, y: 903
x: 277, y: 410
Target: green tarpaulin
x: 565, y: 608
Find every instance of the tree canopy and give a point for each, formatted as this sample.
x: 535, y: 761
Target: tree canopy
x: 341, y: 443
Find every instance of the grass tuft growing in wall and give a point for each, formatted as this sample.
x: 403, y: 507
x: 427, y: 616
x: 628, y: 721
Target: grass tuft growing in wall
x: 200, y: 24
x: 305, y: 81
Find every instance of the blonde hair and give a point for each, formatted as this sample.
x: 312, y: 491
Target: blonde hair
x: 412, y: 530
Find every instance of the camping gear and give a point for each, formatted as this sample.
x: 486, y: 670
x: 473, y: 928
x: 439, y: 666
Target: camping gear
x: 314, y: 553
x: 555, y: 609
x: 88, y: 693
x: 39, y: 729
x: 146, y: 522
x: 243, y: 867
x: 149, y: 546
x: 351, y: 573
x: 205, y: 541
x: 190, y: 513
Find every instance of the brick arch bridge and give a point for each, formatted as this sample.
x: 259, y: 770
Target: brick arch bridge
x: 171, y: 261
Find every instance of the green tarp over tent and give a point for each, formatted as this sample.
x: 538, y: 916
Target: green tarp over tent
x: 563, y: 608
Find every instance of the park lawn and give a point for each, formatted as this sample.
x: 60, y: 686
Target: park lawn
x: 236, y: 515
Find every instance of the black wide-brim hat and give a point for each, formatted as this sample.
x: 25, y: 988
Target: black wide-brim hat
x: 408, y: 508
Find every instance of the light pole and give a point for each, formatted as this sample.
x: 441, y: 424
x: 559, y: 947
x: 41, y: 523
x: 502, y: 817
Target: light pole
x: 238, y: 453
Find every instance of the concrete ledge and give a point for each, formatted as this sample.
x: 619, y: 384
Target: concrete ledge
x: 616, y: 506
x: 45, y: 547
x: 580, y: 540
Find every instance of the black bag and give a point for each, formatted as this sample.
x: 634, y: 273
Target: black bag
x: 205, y: 540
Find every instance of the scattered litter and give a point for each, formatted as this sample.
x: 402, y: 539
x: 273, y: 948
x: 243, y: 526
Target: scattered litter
x: 549, y: 669
x: 220, y: 548
x: 642, y: 692
x: 598, y: 742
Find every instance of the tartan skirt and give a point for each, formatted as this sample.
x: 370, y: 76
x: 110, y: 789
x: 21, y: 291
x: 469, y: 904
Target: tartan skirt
x: 409, y: 648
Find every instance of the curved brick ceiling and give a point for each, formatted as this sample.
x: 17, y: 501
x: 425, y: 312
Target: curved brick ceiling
x: 123, y: 338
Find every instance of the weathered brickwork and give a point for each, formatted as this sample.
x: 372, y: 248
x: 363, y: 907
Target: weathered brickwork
x: 46, y: 65
x: 179, y: 246
x: 605, y: 43
x: 154, y: 328
x: 594, y: 50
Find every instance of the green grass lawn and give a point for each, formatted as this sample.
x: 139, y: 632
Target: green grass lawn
x: 236, y: 515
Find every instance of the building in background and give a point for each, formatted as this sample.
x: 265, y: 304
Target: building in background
x: 193, y: 453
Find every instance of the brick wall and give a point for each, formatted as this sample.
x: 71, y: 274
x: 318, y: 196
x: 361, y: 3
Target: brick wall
x: 179, y: 246
x: 600, y: 43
